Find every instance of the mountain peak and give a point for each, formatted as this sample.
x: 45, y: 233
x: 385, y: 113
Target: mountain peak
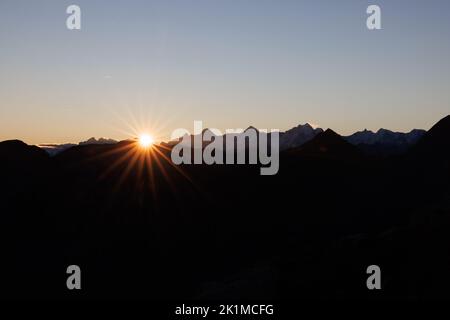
x: 13, y: 143
x: 328, y: 144
x: 436, y: 142
x: 382, y: 130
x: 329, y: 137
x: 441, y: 125
x: 297, y: 136
x: 251, y: 128
x: 330, y: 132
x: 18, y: 151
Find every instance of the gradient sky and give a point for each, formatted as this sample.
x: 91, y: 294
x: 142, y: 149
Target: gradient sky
x: 270, y: 64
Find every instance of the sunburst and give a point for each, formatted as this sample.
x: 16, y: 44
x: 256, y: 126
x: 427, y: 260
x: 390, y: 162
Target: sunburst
x: 145, y: 140
x: 143, y: 159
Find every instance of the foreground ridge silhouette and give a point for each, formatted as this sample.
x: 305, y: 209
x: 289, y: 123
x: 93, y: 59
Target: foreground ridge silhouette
x: 140, y: 227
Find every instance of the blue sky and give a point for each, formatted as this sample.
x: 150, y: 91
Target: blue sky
x: 160, y: 65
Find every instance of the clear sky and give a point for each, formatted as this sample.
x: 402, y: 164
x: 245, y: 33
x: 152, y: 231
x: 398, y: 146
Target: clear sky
x: 270, y: 64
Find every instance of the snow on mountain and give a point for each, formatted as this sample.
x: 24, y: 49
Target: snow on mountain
x: 384, y: 136
x: 297, y: 136
x: 385, y: 141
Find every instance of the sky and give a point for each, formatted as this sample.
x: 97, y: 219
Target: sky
x: 155, y: 66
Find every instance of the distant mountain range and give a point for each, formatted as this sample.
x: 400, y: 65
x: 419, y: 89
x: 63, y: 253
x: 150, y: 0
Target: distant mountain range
x: 383, y: 142
x: 54, y: 149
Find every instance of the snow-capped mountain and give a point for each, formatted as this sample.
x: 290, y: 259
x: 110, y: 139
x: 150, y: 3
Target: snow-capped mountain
x: 297, y: 136
x: 385, y: 141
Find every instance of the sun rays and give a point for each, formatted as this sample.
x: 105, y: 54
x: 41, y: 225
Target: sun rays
x: 142, y: 166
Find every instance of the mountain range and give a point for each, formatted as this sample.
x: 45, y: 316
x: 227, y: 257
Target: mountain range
x: 53, y: 148
x: 383, y: 142
x: 142, y: 228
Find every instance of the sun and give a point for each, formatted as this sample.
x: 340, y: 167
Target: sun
x: 145, y: 140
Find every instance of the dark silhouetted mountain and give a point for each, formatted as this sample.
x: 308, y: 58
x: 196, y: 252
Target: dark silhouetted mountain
x: 385, y: 142
x: 19, y: 161
x: 328, y: 144
x: 141, y: 227
x: 430, y: 157
x: 53, y: 149
x: 436, y: 142
x: 297, y: 136
x: 19, y: 152
x: 86, y: 152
